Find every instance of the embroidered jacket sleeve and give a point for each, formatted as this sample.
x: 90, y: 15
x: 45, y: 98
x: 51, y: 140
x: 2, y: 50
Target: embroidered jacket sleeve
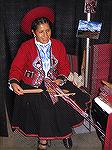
x: 63, y: 67
x: 17, y: 67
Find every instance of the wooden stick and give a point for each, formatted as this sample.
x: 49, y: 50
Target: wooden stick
x: 39, y: 91
x: 33, y: 91
x: 68, y: 94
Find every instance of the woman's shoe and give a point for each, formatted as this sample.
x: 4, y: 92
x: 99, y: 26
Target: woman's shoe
x: 67, y: 143
x: 42, y: 146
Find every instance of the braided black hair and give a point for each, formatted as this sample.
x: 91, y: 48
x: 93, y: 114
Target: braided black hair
x: 39, y: 21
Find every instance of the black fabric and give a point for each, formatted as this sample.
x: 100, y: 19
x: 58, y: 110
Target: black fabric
x: 104, y: 15
x: 35, y: 114
x: 3, y: 82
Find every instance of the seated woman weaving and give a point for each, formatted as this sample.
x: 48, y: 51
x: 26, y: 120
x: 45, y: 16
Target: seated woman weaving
x: 41, y: 64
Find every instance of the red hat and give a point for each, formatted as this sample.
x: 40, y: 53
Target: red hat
x: 33, y: 14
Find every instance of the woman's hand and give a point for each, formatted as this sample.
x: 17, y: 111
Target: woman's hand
x: 58, y: 82
x: 17, y: 89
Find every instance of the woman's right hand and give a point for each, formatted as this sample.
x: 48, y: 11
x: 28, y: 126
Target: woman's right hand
x: 17, y: 89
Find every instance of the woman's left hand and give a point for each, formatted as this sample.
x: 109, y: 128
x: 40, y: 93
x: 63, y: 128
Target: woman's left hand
x: 58, y: 82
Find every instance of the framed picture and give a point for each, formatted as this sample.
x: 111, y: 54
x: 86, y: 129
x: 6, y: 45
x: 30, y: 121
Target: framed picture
x: 88, y: 29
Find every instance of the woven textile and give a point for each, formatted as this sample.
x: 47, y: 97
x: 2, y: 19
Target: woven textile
x: 100, y: 67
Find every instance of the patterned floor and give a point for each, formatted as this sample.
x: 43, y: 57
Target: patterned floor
x: 81, y: 141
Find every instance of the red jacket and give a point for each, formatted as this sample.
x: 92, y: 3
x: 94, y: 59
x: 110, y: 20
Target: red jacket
x: 28, y: 52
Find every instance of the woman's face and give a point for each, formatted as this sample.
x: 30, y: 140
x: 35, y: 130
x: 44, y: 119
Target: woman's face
x: 43, y: 33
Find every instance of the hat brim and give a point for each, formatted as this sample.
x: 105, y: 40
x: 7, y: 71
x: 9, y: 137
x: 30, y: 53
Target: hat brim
x: 33, y: 14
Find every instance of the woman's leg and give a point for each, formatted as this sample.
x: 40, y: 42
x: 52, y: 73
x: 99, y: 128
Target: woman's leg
x: 67, y: 143
x: 42, y: 145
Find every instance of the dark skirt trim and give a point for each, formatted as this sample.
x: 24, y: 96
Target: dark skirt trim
x: 46, y: 138
x: 42, y: 138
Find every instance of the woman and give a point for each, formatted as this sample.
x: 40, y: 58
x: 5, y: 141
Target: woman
x: 41, y: 63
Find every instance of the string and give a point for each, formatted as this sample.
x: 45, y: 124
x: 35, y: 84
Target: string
x: 75, y: 106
